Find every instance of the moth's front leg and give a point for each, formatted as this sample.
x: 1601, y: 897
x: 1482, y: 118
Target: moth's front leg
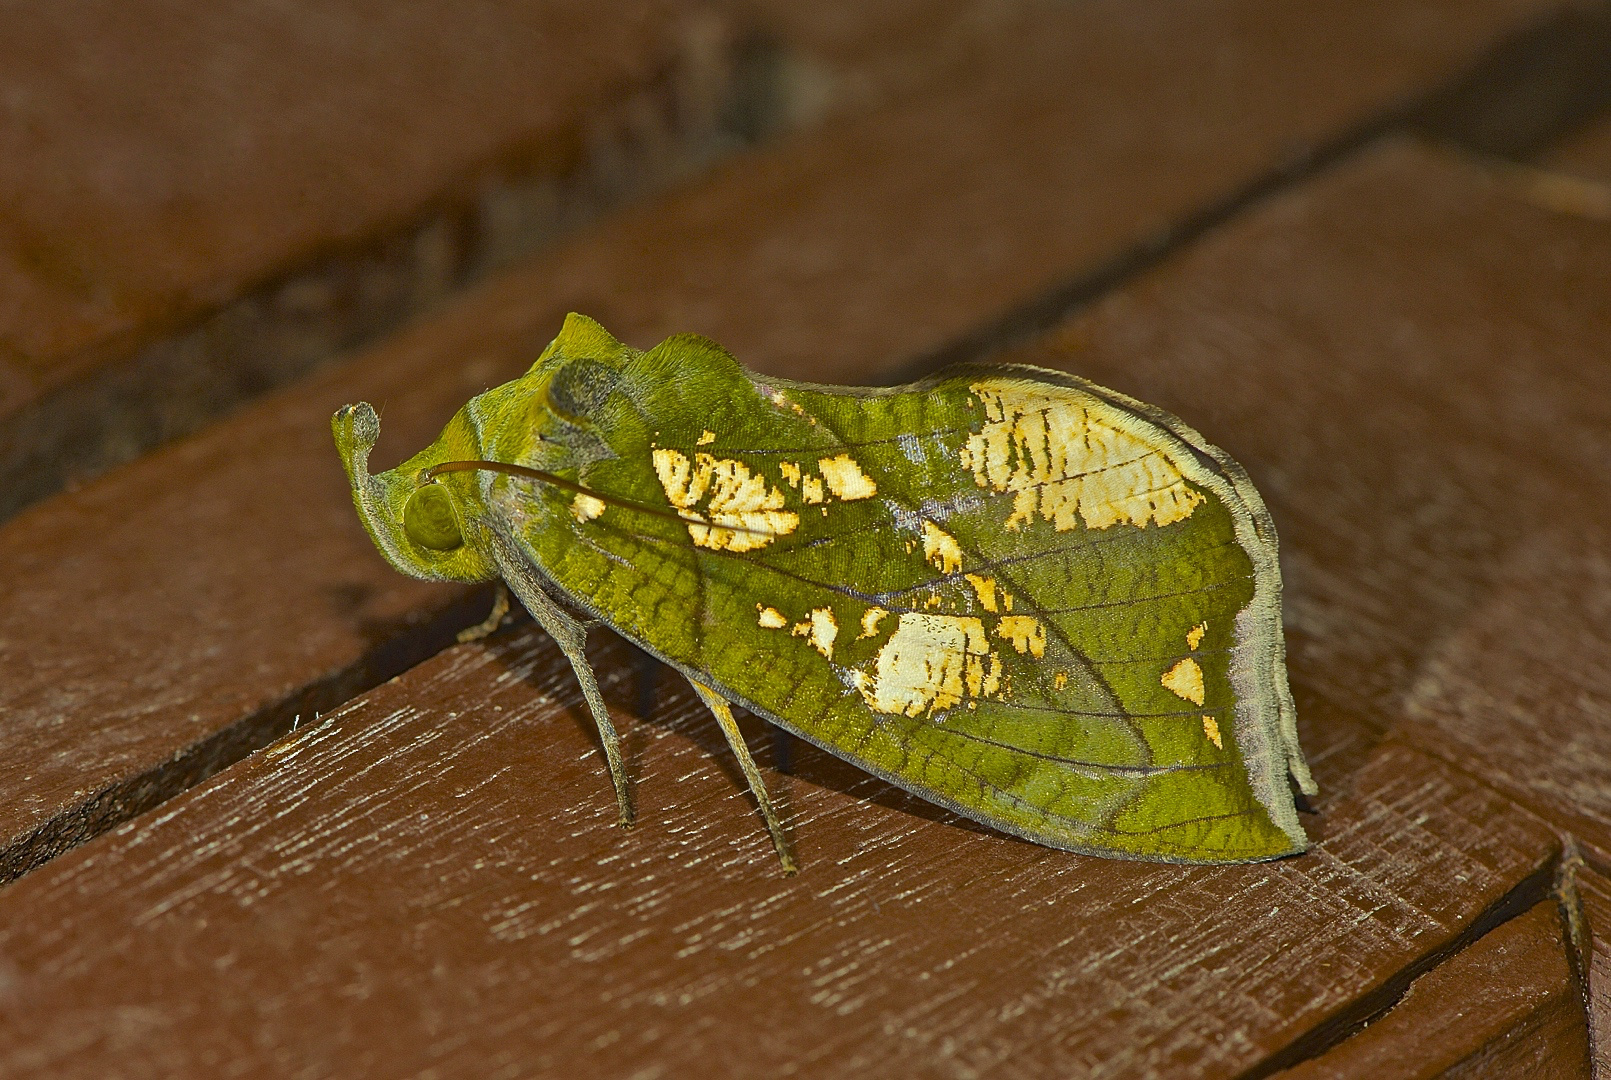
x: 489, y: 625
x: 735, y: 739
x: 571, y: 637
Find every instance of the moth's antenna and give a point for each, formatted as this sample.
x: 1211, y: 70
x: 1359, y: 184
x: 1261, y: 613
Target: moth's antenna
x: 687, y: 518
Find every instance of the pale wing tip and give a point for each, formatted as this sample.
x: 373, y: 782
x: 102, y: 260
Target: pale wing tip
x: 1299, y: 770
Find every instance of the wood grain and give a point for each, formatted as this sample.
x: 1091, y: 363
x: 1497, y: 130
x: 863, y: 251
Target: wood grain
x: 1409, y: 362
x: 1505, y: 1006
x: 232, y: 586
x: 205, y: 202
x: 429, y: 880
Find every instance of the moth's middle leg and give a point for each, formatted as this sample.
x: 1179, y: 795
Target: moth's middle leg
x: 735, y: 739
x: 571, y: 637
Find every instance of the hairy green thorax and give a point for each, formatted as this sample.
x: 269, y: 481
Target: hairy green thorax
x: 1038, y: 602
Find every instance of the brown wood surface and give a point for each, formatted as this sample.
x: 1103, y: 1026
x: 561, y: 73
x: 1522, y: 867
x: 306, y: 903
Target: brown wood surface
x: 154, y: 273
x: 204, y: 200
x: 1507, y: 1006
x: 1586, y: 154
x: 1410, y: 361
x: 437, y: 862
x: 168, y: 618
x: 1094, y: 134
x: 159, y: 153
x: 431, y: 879
x: 837, y: 56
x: 1405, y: 345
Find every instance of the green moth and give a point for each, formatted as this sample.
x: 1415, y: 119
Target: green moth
x: 1043, y: 604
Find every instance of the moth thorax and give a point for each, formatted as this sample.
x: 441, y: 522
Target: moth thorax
x: 579, y: 388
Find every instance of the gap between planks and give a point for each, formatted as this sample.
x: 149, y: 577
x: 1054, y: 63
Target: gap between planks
x: 1553, y: 878
x: 133, y: 796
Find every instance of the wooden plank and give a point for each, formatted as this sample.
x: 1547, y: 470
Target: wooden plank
x: 1505, y: 1006
x: 1532, y: 90
x: 1537, y: 75
x: 1572, y: 177
x: 1408, y: 360
x: 1594, y: 892
x: 202, y: 204
x: 1513, y: 691
x: 838, y: 56
x: 1586, y: 154
x: 1067, y: 152
x: 233, y: 587
x: 430, y: 880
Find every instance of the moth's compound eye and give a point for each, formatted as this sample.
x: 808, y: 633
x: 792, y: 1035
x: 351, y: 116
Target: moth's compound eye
x: 430, y: 520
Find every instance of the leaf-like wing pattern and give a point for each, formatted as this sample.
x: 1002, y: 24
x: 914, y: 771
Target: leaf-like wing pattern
x: 1010, y: 592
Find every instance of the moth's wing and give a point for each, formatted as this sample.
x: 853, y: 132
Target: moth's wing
x: 1006, y: 591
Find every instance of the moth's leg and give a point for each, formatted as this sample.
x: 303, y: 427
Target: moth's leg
x: 500, y: 608
x: 571, y: 637
x: 735, y: 739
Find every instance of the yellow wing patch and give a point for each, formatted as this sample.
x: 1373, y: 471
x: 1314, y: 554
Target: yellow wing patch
x: 1194, y: 636
x: 1027, y: 633
x: 1211, y: 731
x: 820, y: 628
x: 930, y: 663
x: 585, y: 507
x: 842, y: 476
x: 1068, y: 462
x: 845, y: 478
x: 738, y: 500
x: 1185, y: 680
x: 985, y: 589
x: 941, y: 549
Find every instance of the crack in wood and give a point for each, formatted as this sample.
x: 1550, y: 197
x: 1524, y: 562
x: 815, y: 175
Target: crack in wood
x: 132, y: 796
x: 1376, y: 1003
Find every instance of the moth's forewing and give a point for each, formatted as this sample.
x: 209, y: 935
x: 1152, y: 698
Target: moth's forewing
x: 1046, y: 606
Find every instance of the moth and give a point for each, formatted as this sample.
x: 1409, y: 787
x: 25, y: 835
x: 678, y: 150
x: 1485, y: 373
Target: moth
x: 1040, y: 603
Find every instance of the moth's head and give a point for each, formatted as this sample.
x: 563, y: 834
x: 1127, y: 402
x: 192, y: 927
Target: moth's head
x: 427, y: 527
